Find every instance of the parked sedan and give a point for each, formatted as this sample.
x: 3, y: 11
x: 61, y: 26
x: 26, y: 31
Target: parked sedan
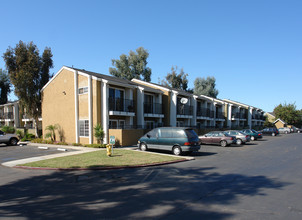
x: 270, y: 131
x: 254, y: 134
x: 217, y: 137
x: 241, y: 138
x: 284, y: 130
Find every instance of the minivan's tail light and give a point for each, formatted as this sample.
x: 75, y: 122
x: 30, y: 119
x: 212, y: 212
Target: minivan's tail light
x: 231, y: 138
x: 189, y: 143
x: 259, y: 134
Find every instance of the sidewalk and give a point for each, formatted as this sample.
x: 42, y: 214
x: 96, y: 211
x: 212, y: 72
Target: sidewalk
x: 78, y: 150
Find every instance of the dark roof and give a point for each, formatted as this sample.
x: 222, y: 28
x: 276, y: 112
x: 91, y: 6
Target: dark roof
x: 106, y: 77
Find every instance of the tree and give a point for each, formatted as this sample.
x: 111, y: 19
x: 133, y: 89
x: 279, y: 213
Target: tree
x: 99, y: 133
x: 52, y: 132
x: 28, y: 72
x: 132, y: 66
x: 5, y: 86
x: 288, y: 113
x: 206, y: 86
x: 176, y: 80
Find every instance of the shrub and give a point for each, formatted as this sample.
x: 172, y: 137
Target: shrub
x: 28, y: 137
x: 61, y: 143
x: 37, y: 140
x: 77, y: 144
x: 95, y: 145
x: 20, y: 134
x: 8, y: 129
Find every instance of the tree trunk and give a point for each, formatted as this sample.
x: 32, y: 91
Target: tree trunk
x: 36, y: 120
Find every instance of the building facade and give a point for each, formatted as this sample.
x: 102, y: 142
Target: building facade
x: 77, y: 100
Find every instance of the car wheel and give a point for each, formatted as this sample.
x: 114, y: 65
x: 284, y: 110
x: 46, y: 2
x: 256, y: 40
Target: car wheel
x: 286, y: 132
x: 223, y: 143
x: 273, y: 134
x: 252, y: 138
x: 298, y: 131
x: 13, y: 141
x: 176, y: 150
x: 238, y: 141
x: 143, y: 147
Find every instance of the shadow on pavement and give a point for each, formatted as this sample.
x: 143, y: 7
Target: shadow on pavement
x: 162, y: 192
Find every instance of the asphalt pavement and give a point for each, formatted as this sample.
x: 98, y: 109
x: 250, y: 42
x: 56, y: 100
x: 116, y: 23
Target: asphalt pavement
x: 260, y: 180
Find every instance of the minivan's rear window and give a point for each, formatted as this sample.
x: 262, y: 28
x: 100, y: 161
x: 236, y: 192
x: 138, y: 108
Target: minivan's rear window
x: 191, y: 134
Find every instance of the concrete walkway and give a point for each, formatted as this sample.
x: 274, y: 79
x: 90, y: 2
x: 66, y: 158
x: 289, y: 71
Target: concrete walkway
x: 76, y: 150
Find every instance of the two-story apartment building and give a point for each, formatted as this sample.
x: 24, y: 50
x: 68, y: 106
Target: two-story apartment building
x: 77, y: 100
x: 243, y: 115
x: 10, y: 115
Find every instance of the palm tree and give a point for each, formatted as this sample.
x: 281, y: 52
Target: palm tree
x: 99, y: 133
x: 52, y: 132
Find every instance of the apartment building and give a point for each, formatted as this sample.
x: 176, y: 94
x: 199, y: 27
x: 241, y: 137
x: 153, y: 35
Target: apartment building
x: 77, y: 100
x: 185, y: 109
x: 243, y: 115
x: 10, y: 115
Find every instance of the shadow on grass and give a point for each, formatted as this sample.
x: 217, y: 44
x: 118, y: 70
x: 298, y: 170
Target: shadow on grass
x: 159, y: 192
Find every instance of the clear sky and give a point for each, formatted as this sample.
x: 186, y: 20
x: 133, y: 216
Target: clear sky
x: 252, y: 47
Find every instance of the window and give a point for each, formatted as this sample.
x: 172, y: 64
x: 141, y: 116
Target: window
x: 84, y: 128
x: 117, y: 124
x: 149, y: 124
x: 83, y: 90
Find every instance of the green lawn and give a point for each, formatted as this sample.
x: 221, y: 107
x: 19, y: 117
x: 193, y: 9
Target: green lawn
x: 100, y: 159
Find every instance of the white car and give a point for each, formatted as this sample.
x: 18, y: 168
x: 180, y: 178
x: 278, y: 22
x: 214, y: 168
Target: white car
x: 9, y: 139
x: 284, y: 130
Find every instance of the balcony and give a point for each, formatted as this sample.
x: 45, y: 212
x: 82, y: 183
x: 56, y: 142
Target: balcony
x: 121, y: 105
x: 219, y: 115
x: 153, y: 108
x: 236, y: 115
x: 8, y: 115
x: 242, y: 116
x: 184, y: 110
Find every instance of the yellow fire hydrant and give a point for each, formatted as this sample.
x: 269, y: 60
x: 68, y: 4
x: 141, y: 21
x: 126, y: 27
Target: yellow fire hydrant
x: 109, y: 150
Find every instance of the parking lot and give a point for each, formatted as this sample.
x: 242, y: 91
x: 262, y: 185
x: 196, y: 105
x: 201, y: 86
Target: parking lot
x: 259, y: 180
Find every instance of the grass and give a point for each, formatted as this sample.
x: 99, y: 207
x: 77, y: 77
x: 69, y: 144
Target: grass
x: 100, y: 159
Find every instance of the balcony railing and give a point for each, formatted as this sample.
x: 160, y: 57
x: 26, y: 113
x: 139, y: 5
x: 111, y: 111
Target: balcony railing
x: 153, y: 108
x: 219, y: 115
x: 242, y: 116
x: 205, y: 112
x: 236, y: 115
x: 184, y: 110
x: 8, y: 115
x: 121, y: 105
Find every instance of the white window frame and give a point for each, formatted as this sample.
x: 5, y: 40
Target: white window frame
x: 85, y: 123
x: 83, y: 90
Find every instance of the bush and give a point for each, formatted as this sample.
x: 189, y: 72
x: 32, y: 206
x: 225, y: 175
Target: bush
x: 95, y: 145
x: 77, y: 144
x: 41, y: 141
x: 37, y: 140
x: 61, y: 143
x: 8, y: 129
x: 28, y: 137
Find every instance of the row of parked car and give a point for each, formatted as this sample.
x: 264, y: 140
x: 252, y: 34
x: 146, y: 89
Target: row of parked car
x: 185, y: 140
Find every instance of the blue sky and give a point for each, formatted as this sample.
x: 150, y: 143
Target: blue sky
x: 252, y: 47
